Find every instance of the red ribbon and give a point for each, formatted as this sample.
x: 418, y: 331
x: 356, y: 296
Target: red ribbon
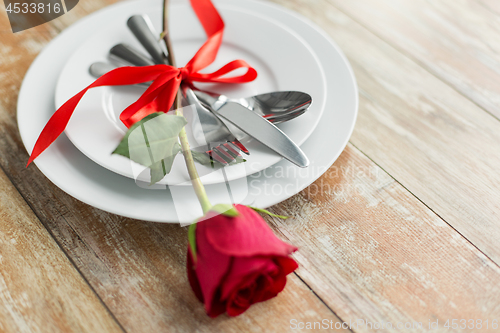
x: 166, y: 80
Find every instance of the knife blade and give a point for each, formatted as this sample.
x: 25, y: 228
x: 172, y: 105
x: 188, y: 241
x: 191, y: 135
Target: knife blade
x: 263, y: 131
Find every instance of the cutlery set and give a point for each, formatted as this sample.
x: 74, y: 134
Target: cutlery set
x: 80, y: 164
x: 256, y: 116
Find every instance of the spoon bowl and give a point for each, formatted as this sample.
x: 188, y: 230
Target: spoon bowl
x: 276, y: 107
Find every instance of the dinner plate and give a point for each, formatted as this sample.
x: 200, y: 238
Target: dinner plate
x: 80, y: 177
x: 282, y: 58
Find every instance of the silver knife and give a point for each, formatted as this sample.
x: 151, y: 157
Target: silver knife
x: 263, y: 131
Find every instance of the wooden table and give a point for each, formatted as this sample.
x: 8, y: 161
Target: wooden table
x: 405, y: 228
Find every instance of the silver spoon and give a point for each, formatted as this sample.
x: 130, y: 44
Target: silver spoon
x: 276, y: 106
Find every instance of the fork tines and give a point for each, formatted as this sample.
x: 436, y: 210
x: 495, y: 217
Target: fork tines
x: 226, y: 153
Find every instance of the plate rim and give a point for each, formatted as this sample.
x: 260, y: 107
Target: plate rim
x: 118, y: 165
x: 29, y: 139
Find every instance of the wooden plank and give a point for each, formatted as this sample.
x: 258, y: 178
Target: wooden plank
x: 377, y: 255
x: 491, y: 5
x: 40, y: 290
x: 137, y: 268
x: 455, y: 40
x: 368, y: 248
x: 372, y: 252
x: 442, y: 147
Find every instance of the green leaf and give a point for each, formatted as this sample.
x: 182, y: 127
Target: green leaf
x: 225, y: 209
x: 192, y: 239
x: 122, y: 148
x: 160, y: 169
x: 153, y: 142
x: 260, y: 210
x: 204, y: 159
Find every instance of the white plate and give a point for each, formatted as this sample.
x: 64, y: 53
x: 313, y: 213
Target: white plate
x: 283, y: 60
x: 77, y: 175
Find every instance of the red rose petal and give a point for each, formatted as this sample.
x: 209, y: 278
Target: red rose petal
x: 242, y: 298
x: 243, y: 271
x: 240, y: 262
x: 193, y: 279
x: 287, y: 264
x: 277, y: 286
x: 264, y: 282
x: 211, y: 267
x: 244, y: 235
x: 217, y: 307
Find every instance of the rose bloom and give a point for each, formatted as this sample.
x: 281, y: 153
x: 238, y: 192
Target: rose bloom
x: 239, y: 262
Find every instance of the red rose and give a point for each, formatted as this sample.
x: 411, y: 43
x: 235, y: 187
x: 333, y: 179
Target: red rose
x: 239, y: 262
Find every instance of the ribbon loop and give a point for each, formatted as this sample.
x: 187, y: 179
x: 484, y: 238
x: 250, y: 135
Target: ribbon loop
x: 160, y: 96
x: 185, y: 74
x: 250, y: 74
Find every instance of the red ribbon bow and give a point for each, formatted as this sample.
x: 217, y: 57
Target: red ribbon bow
x: 166, y: 80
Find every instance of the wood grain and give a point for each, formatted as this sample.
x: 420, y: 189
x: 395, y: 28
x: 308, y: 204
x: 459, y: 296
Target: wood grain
x: 40, y: 290
x: 458, y: 41
x: 438, y: 144
x: 371, y: 246
x: 372, y: 252
x: 442, y: 148
x: 492, y: 5
x: 137, y: 268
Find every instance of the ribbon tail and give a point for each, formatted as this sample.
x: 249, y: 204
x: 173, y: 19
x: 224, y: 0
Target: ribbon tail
x: 208, y: 16
x: 56, y: 125
x: 160, y: 101
x: 59, y: 120
x: 166, y: 80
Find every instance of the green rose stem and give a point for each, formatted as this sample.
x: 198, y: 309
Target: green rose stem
x: 186, y: 151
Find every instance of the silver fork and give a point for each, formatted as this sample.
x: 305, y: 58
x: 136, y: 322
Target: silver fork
x: 209, y: 130
x: 213, y: 130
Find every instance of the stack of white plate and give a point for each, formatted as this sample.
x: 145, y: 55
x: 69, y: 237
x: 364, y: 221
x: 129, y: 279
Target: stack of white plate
x: 288, y: 52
